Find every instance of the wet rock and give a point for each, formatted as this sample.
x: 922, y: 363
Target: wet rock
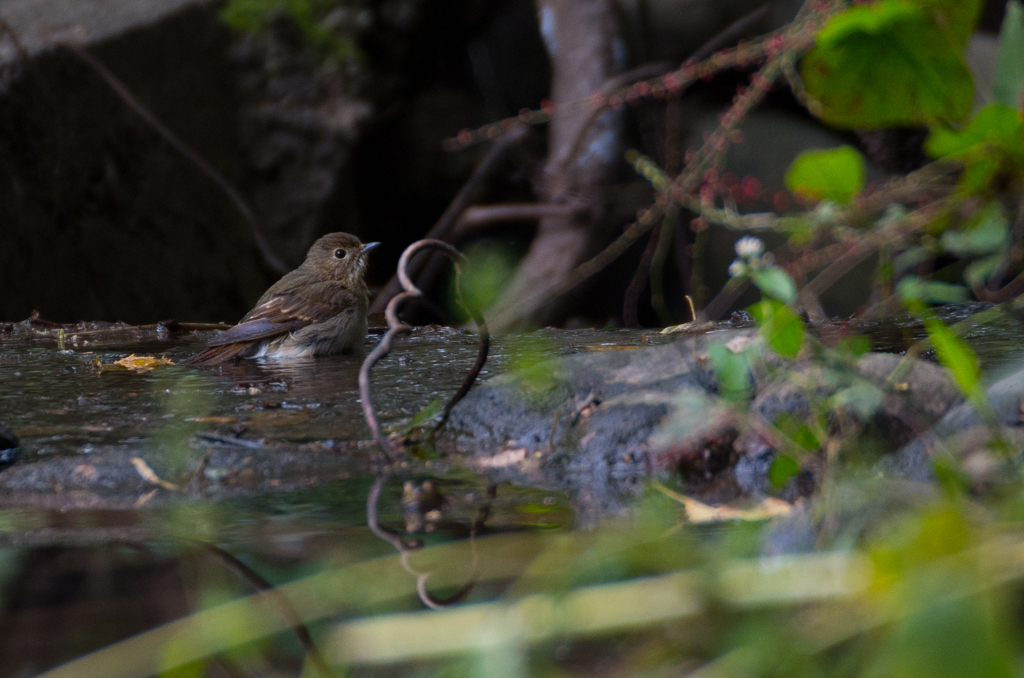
x: 888, y: 414
x: 597, y: 425
x: 962, y: 430
x: 583, y: 423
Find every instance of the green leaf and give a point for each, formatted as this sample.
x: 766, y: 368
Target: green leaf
x: 995, y: 125
x: 782, y: 469
x: 950, y: 476
x: 835, y: 174
x: 780, y: 327
x: 775, y: 283
x: 1009, y: 73
x: 733, y: 372
x: 853, y: 347
x: 432, y: 409
x: 978, y: 174
x: 862, y: 397
x: 797, y: 431
x: 987, y: 232
x: 957, y: 357
x: 915, y: 292
x: 948, y: 636
x: 489, y: 267
x: 910, y: 258
x: 887, y: 65
x: 978, y: 272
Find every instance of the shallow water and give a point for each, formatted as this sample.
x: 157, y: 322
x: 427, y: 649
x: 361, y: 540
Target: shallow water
x: 61, y: 403
x: 93, y: 552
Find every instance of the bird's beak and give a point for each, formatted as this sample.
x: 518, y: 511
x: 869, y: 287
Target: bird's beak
x: 369, y: 247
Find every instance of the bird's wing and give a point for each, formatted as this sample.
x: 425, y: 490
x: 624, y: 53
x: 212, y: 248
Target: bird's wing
x: 289, y: 312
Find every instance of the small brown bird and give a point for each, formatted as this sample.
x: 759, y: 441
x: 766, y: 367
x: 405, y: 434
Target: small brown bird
x: 317, y: 309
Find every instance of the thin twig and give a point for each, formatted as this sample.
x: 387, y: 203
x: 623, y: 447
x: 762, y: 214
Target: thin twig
x: 1004, y: 293
x: 441, y: 229
x: 723, y: 39
x: 396, y: 327
x: 815, y: 312
x: 674, y: 81
x: 122, y: 91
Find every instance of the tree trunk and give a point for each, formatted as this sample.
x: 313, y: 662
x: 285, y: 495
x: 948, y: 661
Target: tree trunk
x: 585, y: 49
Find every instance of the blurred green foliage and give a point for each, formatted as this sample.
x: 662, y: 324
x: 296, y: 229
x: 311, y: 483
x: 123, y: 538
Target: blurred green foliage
x: 488, y: 269
x: 931, y: 591
x: 1009, y: 74
x: 835, y: 174
x: 893, y: 63
x: 186, y: 400
x: 257, y: 16
x: 780, y: 326
x: 900, y: 63
x: 529, y: 356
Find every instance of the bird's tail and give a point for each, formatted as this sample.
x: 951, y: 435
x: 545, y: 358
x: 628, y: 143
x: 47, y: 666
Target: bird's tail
x: 217, y: 355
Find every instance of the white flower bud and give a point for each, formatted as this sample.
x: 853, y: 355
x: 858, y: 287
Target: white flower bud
x: 749, y: 247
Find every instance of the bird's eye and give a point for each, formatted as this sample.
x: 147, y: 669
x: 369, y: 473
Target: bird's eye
x: 339, y: 254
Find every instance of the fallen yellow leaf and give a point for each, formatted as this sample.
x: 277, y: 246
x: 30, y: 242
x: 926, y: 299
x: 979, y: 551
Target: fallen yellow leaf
x: 138, y: 363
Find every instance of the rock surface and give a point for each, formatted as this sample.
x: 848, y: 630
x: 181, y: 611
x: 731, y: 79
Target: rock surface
x: 964, y: 431
x: 43, y: 24
x: 582, y: 422
x: 595, y: 424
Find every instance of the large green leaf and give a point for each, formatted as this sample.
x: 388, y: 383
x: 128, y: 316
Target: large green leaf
x: 835, y: 174
x: 1009, y: 74
x: 888, y: 64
